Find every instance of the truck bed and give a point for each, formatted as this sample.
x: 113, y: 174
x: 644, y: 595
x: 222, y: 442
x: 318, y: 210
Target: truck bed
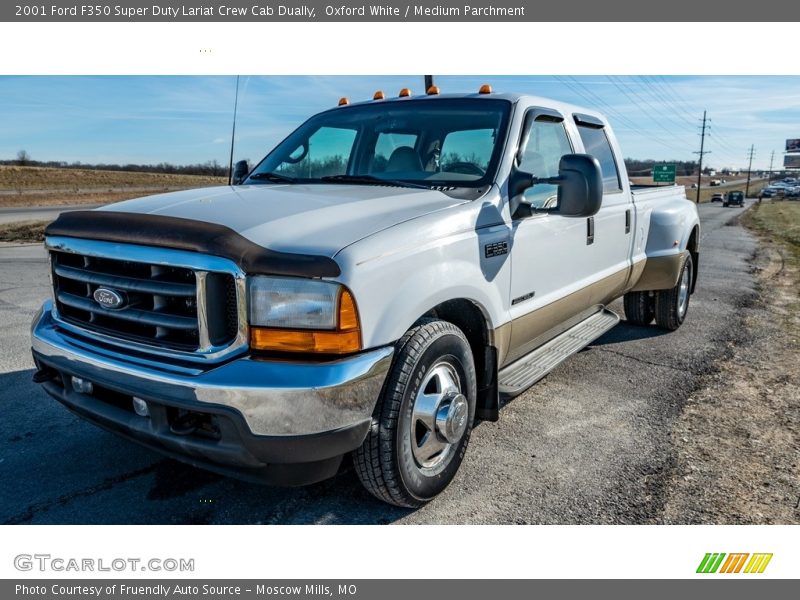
x: 642, y: 193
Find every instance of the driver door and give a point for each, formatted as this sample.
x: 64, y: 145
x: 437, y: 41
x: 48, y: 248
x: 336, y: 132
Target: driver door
x: 549, y: 259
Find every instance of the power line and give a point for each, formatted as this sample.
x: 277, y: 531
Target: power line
x: 637, y: 101
x: 666, y: 93
x: 593, y: 98
x: 728, y: 145
x: 660, y: 107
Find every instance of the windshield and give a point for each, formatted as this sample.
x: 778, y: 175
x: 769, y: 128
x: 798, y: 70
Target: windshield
x: 428, y: 142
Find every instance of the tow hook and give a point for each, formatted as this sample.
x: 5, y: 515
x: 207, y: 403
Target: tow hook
x: 45, y: 374
x: 186, y: 424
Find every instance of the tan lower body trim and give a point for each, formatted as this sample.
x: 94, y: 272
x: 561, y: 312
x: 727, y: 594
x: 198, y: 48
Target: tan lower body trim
x: 537, y: 327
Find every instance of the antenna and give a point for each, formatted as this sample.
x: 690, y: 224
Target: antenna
x: 233, y: 132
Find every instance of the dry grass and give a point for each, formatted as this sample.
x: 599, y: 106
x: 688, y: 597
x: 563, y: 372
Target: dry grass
x: 738, y: 438
x: 780, y: 221
x: 48, y: 178
x: 707, y: 192
x: 27, y: 231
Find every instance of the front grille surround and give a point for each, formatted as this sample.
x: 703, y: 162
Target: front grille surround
x: 185, y: 305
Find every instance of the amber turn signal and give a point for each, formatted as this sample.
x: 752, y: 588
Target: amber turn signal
x: 345, y: 339
x: 317, y: 342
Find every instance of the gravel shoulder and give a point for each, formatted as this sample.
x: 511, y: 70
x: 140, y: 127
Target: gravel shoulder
x: 737, y: 440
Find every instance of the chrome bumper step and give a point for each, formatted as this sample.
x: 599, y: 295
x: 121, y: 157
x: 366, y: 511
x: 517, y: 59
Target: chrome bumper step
x: 523, y: 373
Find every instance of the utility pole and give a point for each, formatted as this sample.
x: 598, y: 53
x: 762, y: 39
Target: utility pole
x: 771, y: 160
x: 749, y: 168
x: 701, y: 153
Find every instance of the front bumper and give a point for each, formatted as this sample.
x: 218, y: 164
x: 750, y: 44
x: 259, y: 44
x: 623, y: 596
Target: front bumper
x: 280, y: 422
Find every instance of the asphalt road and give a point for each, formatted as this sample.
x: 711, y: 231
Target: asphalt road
x: 39, y: 213
x: 588, y: 444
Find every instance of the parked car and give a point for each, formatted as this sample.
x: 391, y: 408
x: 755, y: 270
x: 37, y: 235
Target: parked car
x: 734, y: 198
x: 720, y: 197
x: 377, y: 298
x: 715, y: 182
x: 769, y: 192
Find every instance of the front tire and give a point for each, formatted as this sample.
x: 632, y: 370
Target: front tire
x: 673, y: 304
x: 423, y: 419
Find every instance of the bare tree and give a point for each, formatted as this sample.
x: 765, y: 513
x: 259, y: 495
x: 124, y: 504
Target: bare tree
x: 23, y: 158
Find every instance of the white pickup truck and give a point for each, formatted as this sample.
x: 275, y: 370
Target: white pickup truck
x: 372, y: 287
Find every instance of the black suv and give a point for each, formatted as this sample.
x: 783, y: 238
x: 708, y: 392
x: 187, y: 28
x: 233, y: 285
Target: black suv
x: 734, y: 199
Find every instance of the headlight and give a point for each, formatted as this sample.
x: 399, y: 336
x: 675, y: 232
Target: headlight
x: 302, y: 315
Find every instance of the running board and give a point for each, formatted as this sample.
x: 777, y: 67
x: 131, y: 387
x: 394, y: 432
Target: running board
x: 523, y: 373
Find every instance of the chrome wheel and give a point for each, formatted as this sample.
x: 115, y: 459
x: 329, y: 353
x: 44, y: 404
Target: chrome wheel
x: 683, y: 291
x: 439, y: 417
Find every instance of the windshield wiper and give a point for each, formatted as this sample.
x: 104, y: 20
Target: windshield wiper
x: 372, y: 180
x: 275, y: 177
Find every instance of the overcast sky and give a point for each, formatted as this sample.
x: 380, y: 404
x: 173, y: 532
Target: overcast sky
x: 182, y: 120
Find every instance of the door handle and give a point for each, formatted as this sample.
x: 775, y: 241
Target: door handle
x: 628, y: 221
x: 590, y: 230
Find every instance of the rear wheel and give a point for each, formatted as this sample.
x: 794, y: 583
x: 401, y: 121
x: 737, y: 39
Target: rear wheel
x: 422, y: 423
x: 672, y: 305
x: 639, y: 308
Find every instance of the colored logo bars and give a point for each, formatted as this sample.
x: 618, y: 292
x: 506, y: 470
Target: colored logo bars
x: 734, y: 562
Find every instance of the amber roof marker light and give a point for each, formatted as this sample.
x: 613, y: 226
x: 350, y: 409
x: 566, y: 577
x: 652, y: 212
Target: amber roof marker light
x: 405, y: 93
x: 485, y: 89
x: 378, y: 95
x: 343, y: 101
x: 433, y: 90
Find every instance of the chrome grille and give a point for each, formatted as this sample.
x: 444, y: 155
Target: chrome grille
x: 172, y: 307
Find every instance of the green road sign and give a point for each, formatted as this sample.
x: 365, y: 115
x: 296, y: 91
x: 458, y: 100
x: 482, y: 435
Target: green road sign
x: 664, y: 173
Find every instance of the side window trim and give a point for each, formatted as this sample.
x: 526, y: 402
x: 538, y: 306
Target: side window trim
x: 588, y: 121
x: 533, y: 114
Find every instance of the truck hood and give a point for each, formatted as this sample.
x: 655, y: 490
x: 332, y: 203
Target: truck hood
x: 309, y: 219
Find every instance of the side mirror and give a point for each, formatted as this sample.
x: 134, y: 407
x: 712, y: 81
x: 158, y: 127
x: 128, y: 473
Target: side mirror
x: 240, y: 171
x: 580, y: 192
x: 580, y: 186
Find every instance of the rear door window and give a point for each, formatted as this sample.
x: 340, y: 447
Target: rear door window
x: 595, y: 142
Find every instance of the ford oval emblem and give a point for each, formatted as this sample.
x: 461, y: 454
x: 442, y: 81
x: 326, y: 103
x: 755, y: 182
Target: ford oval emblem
x: 108, y: 298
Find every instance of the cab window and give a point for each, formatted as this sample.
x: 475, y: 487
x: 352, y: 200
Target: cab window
x: 386, y: 145
x: 595, y: 142
x: 326, y: 152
